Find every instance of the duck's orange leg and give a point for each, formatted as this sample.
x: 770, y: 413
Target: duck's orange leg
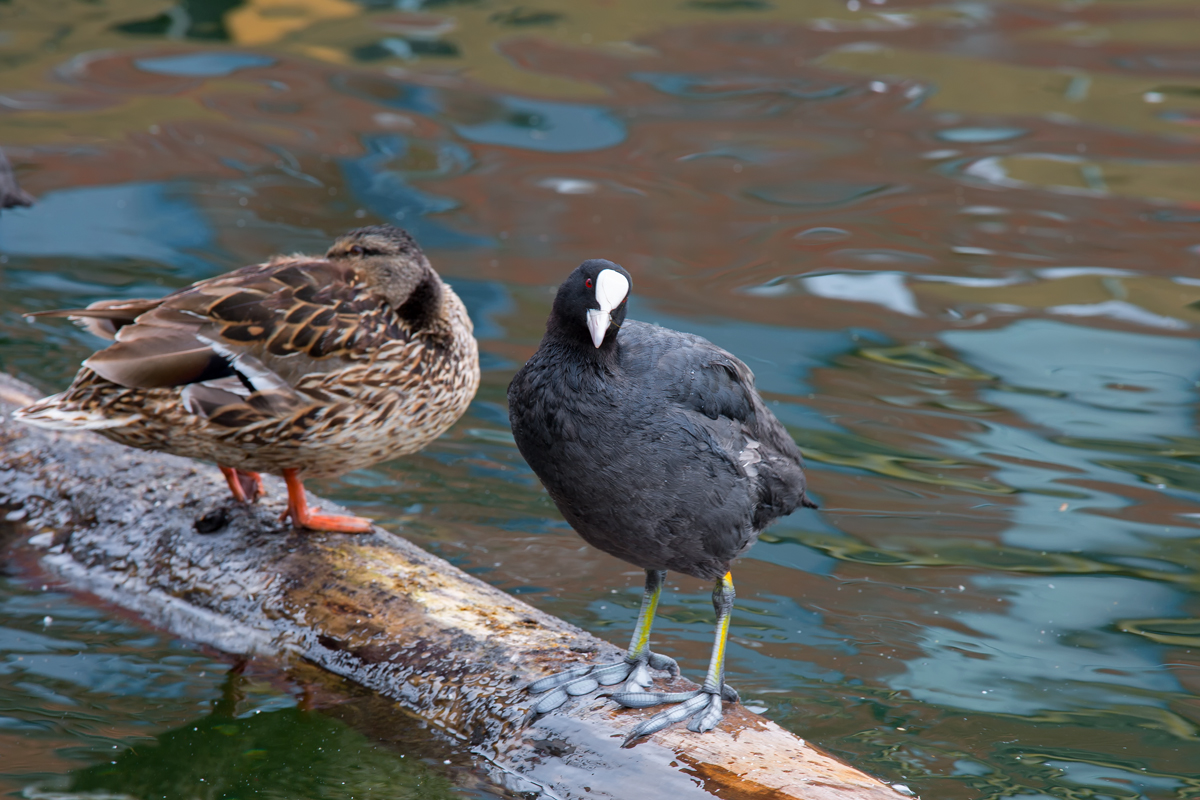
x: 302, y: 517
x: 245, y: 486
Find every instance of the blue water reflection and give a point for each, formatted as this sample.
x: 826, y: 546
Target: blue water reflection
x: 1051, y: 644
x: 980, y: 135
x: 1092, y: 382
x: 1048, y: 647
x: 488, y: 303
x: 387, y: 193
x: 202, y: 65
x: 720, y: 87
x: 75, y: 679
x: 548, y: 127
x: 545, y: 126
x: 148, y: 221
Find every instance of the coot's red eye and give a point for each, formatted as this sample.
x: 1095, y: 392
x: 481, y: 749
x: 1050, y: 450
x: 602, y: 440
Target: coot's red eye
x: 588, y: 283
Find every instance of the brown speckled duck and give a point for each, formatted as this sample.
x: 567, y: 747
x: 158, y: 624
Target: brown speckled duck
x: 303, y: 366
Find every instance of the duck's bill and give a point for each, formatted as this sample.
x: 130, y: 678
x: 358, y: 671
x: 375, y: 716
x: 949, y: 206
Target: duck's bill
x: 598, y: 320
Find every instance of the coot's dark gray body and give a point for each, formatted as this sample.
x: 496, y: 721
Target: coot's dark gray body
x: 657, y: 449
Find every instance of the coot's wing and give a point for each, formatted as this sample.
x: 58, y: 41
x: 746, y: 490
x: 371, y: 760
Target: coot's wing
x: 706, y: 379
x: 695, y: 375
x: 713, y: 392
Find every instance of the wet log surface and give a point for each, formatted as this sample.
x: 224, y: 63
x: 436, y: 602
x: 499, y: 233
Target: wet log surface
x: 157, y: 535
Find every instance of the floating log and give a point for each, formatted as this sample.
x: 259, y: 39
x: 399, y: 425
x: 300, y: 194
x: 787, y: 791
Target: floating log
x: 157, y: 534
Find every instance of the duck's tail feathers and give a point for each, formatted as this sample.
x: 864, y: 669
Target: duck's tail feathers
x: 51, y: 412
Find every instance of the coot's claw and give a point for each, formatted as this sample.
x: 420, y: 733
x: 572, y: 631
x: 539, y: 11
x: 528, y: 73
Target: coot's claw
x: 699, y: 703
x: 708, y: 717
x: 665, y: 663
x: 729, y: 694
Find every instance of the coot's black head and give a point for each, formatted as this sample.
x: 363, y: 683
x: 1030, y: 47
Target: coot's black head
x: 591, y: 302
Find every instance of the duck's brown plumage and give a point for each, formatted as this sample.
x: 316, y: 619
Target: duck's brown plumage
x: 319, y: 365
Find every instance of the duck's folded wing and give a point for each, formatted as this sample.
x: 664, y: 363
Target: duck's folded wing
x: 105, y: 317
x: 270, y: 325
x: 150, y: 356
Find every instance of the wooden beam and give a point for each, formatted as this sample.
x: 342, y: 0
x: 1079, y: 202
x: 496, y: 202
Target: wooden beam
x: 157, y: 535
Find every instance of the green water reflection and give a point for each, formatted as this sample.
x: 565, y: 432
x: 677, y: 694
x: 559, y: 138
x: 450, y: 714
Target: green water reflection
x: 93, y: 706
x: 957, y: 243
x: 284, y: 753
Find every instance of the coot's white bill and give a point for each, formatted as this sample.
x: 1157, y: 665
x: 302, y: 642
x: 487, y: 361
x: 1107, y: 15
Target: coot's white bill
x: 611, y: 290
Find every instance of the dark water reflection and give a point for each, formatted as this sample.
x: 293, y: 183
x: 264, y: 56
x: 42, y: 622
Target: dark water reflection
x: 957, y: 242
x: 93, y: 706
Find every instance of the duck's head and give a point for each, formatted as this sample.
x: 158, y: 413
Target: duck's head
x: 388, y: 260
x: 594, y: 299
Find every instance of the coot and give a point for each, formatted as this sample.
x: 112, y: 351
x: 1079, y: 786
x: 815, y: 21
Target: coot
x: 657, y: 449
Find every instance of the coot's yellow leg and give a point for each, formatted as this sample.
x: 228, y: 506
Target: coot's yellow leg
x: 703, y: 705
x: 723, y: 595
x: 641, y: 632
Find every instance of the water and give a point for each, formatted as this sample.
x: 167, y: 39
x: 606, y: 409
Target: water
x: 92, y: 704
x: 957, y: 242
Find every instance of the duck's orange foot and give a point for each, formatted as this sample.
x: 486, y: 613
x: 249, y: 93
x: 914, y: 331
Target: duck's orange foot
x: 304, y: 517
x: 327, y: 522
x: 245, y: 486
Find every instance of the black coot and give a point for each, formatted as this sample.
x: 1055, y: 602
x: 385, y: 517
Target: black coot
x: 657, y: 449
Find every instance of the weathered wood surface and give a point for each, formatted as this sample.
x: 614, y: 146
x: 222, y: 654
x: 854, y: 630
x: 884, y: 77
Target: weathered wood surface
x: 122, y: 525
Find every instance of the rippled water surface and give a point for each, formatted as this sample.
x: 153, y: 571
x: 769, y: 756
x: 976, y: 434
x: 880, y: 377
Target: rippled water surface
x: 956, y: 241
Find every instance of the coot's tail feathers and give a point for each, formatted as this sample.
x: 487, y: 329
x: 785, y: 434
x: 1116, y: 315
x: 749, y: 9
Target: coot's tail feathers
x: 781, y: 490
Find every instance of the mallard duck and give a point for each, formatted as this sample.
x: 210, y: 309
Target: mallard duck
x: 302, y: 367
x: 657, y: 449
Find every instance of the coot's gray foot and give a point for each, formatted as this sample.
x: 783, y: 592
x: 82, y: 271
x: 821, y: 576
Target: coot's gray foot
x: 639, y: 678
x: 589, y: 677
x: 634, y: 669
x: 703, y: 706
